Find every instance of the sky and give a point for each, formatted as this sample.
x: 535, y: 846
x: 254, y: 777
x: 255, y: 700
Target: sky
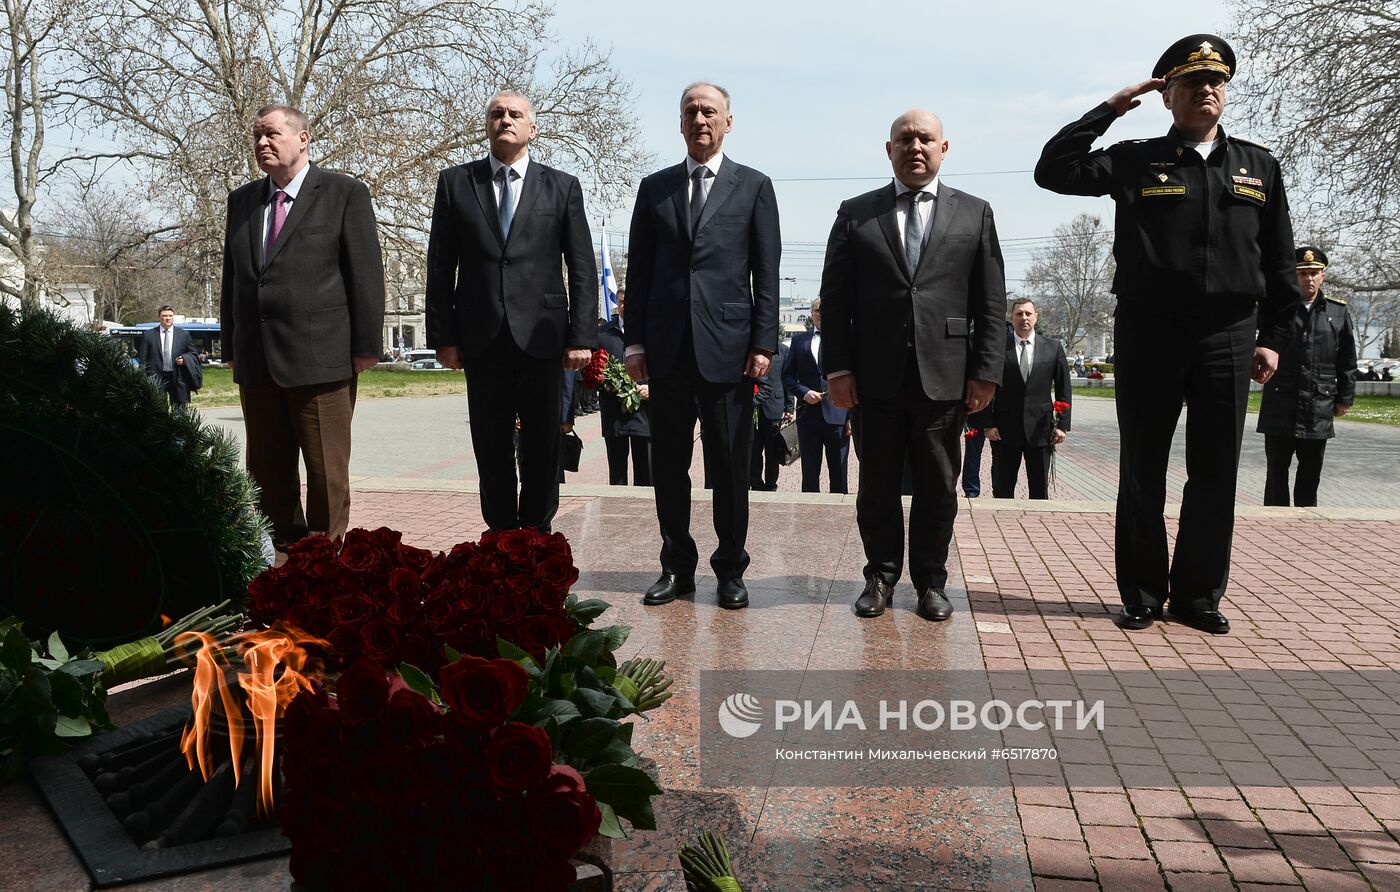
x: 815, y: 86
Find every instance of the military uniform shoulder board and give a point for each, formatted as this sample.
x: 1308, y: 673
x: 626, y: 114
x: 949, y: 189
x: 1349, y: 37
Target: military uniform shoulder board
x: 1335, y: 300
x: 1249, y: 142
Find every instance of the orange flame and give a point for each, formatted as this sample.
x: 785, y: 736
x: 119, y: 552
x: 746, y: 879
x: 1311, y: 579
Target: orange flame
x: 267, y: 696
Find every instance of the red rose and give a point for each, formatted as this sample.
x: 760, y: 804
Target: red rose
x: 474, y: 598
x: 302, y: 619
x: 346, y: 642
x: 443, y: 615
x: 409, y: 717
x: 483, y: 693
x: 360, y: 557
x: 508, y: 609
x: 517, y: 585
x: 487, y: 567
x: 403, y: 613
x: 553, y: 544
x: 564, y: 629
x: 474, y: 636
x: 533, y: 634
x: 557, y: 570
x: 416, y: 559
x: 518, y: 546
x: 404, y: 584
x: 352, y: 610
x: 385, y: 539
x: 381, y: 641
x: 518, y: 757
x: 562, y: 814
x: 314, y: 548
x: 362, y: 691
x: 462, y: 552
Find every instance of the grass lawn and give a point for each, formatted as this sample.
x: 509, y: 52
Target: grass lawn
x: 1375, y: 409
x: 219, y: 389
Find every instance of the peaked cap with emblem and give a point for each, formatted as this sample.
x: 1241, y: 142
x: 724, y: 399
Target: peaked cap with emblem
x: 1309, y: 257
x: 1199, y: 52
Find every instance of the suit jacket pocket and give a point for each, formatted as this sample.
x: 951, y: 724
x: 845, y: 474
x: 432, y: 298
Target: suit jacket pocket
x: 555, y: 300
x: 328, y: 333
x: 737, y: 312
x: 957, y: 327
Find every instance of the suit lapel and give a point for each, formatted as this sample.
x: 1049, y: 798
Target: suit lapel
x: 259, y: 200
x: 889, y: 222
x: 306, y: 196
x: 485, y: 191
x: 942, y: 220
x: 679, y: 200
x: 530, y: 188
x: 724, y: 186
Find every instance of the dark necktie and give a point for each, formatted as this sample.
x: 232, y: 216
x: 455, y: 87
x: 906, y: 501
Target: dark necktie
x: 697, y: 196
x: 507, y: 205
x: 913, y: 230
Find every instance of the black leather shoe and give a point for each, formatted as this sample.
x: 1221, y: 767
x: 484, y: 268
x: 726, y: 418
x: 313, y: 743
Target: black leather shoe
x: 934, y: 605
x: 874, y: 598
x: 732, y: 594
x: 1212, y: 621
x: 669, y: 587
x: 1137, y: 616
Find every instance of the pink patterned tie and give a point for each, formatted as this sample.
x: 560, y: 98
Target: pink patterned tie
x: 279, y: 216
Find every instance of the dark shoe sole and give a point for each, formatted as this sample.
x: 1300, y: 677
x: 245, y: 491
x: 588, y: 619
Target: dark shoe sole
x: 1189, y: 620
x: 933, y: 618
x: 734, y: 605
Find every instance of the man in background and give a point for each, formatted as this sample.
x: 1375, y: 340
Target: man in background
x: 1024, y: 425
x: 163, y: 354
x: 823, y: 429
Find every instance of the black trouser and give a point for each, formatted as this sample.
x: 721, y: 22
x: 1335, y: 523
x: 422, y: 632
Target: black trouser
x: 503, y: 384
x: 1278, y: 452
x: 972, y: 464
x: 1006, y: 465
x: 618, y: 447
x: 927, y: 433
x: 817, y: 437
x: 725, y: 412
x: 1161, y: 362
x: 167, y: 386
x: 766, y: 455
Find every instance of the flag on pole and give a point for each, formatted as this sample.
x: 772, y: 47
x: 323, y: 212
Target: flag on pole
x: 609, y: 283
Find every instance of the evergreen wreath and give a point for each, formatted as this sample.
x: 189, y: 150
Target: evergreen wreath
x: 115, y: 512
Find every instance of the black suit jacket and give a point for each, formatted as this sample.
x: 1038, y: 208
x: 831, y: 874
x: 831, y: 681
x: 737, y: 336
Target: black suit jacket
x: 479, y: 280
x: 297, y: 316
x: 801, y: 374
x: 870, y: 296
x: 723, y: 284
x: 1024, y: 410
x: 149, y: 350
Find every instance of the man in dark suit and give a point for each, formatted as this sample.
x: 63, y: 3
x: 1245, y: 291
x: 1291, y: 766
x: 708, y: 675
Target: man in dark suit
x: 302, y: 314
x: 774, y: 403
x: 496, y: 304
x: 913, y: 273
x: 702, y: 326
x: 624, y: 432
x: 1023, y: 413
x: 822, y: 427
x: 162, y: 354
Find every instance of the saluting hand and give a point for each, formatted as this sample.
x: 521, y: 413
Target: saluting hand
x: 1125, y: 100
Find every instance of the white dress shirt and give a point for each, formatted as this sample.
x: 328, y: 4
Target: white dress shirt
x: 519, y: 167
x: 292, y: 189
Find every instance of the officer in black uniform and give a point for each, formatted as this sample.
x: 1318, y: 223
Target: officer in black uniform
x: 1314, y: 384
x: 1206, y: 291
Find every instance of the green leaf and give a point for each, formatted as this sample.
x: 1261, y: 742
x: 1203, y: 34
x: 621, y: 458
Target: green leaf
x: 56, y: 648
x: 72, y: 726
x: 584, y: 612
x: 451, y: 653
x: 589, y: 737
x: 419, y: 681
x: 14, y: 650
x: 616, y: 637
x: 511, y: 652
x: 67, y: 694
x: 611, y: 826
x: 596, y: 703
x: 561, y: 710
x: 587, y: 646
x: 621, y: 787
x: 638, y: 814
x: 83, y: 670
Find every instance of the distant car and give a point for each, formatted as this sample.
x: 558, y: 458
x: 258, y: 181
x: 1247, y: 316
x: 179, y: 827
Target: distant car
x: 417, y: 354
x: 429, y: 365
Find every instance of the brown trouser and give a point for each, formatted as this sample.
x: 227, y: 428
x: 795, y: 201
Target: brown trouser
x: 314, y: 421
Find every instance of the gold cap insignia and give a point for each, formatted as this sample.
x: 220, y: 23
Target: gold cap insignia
x: 1308, y: 257
x: 1205, y: 52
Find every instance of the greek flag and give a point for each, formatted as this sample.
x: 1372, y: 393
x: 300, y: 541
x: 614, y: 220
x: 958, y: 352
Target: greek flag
x: 609, y: 283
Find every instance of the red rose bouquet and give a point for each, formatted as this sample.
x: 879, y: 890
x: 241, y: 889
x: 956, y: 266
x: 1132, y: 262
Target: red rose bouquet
x: 1059, y: 407
x: 390, y: 788
x: 608, y: 372
x: 372, y: 595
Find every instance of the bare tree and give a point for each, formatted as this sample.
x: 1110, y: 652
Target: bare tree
x: 1071, y: 277
x: 1320, y: 83
x: 395, y: 91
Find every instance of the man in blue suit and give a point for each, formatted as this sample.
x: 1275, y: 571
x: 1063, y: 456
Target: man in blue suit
x: 702, y: 326
x: 821, y: 426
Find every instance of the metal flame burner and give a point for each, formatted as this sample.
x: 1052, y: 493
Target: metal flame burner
x: 134, y: 810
